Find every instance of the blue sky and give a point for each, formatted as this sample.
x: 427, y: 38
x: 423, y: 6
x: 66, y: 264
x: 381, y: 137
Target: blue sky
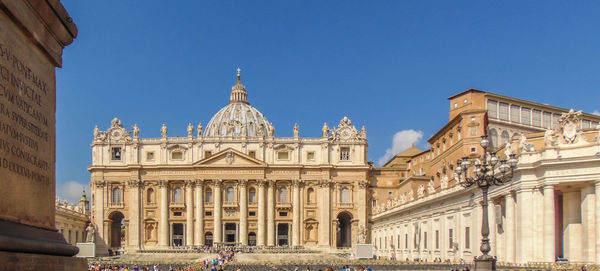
x: 388, y: 65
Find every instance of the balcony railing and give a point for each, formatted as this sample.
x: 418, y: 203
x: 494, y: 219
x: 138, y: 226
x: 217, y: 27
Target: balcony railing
x: 230, y: 204
x: 116, y: 204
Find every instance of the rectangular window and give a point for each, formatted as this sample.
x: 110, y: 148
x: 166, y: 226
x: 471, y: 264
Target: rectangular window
x: 150, y: 156
x: 374, y: 203
x: 503, y: 111
x: 555, y: 118
x: 344, y: 153
x: 208, y: 213
x: 116, y: 153
x: 492, y: 107
x: 282, y: 213
x: 406, y: 240
x: 177, y: 155
x: 585, y: 124
x: 399, y: 246
x: 252, y: 196
x: 536, y: 118
x: 425, y: 240
x: 251, y: 213
x: 310, y: 156
x: 283, y: 155
x: 252, y: 154
x: 467, y: 237
x: 526, y: 116
x: 207, y: 154
x: 450, y: 241
x: 176, y: 213
x: 208, y: 197
x: 515, y: 113
x: 437, y: 239
x: 473, y: 131
x: 547, y: 120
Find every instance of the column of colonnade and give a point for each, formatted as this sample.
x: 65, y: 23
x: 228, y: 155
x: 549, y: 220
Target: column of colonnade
x: 163, y: 227
x: 134, y: 215
x: 217, y: 227
x: 549, y: 224
x: 199, y: 213
x: 99, y: 212
x: 296, y: 186
x: 189, y: 213
x: 270, y: 213
x: 242, y: 184
x: 260, y: 236
x: 597, y: 215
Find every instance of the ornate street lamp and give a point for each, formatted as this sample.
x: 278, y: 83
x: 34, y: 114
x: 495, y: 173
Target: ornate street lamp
x: 491, y: 171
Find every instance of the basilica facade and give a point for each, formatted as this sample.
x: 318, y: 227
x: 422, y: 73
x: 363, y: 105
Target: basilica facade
x: 231, y: 182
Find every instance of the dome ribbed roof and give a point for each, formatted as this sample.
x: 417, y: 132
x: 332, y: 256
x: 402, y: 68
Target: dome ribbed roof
x: 237, y: 117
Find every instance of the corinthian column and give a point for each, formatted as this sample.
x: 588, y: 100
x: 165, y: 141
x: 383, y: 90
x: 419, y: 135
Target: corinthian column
x: 99, y: 212
x: 217, y: 212
x: 548, y: 229
x: 510, y: 229
x: 597, y: 215
x: 260, y: 237
x: 243, y: 212
x: 296, y: 184
x: 199, y: 225
x: 189, y: 214
x: 163, y: 227
x: 325, y: 216
x: 134, y: 220
x: 271, y: 214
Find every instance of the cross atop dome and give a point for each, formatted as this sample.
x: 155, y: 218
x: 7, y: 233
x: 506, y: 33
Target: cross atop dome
x: 238, y: 91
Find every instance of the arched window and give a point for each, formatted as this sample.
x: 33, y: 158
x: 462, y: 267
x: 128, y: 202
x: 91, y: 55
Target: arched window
x: 229, y: 195
x: 177, y: 195
x: 208, y: 195
x: 493, y: 138
x: 504, y: 138
x: 252, y: 195
x: 150, y: 196
x: 116, y: 195
x: 282, y: 195
x: 310, y: 196
x: 345, y: 195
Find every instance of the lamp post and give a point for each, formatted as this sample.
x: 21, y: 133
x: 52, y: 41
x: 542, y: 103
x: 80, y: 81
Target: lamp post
x: 491, y: 171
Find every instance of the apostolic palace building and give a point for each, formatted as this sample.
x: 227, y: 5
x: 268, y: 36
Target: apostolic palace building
x: 233, y: 182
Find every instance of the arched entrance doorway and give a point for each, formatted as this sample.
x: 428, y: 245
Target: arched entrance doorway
x: 117, y: 230
x: 208, y: 239
x: 252, y: 239
x: 344, y: 230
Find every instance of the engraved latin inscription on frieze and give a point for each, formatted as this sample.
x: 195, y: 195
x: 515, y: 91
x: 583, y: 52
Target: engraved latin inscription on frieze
x: 25, y: 130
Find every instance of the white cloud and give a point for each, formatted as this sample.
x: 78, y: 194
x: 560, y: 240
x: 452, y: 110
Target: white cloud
x: 402, y: 140
x: 596, y: 112
x: 71, y: 191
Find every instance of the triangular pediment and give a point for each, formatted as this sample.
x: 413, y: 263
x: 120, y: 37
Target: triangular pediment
x: 230, y: 158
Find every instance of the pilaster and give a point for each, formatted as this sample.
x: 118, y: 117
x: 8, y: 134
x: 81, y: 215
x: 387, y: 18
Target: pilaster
x: 163, y: 227
x: 199, y: 213
x: 217, y: 227
x: 242, y: 184
x: 189, y: 213
x: 324, y: 201
x: 271, y: 213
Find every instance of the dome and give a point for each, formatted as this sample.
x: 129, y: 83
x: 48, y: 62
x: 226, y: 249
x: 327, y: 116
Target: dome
x: 238, y: 117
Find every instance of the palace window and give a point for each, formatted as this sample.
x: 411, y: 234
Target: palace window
x: 150, y: 196
x: 374, y: 203
x: 208, y: 195
x: 492, y: 107
x: 283, y: 155
x: 116, y: 153
x: 345, y: 195
x: 178, y: 195
x: 515, y: 113
x: 536, y: 117
x: 229, y: 194
x: 344, y: 153
x: 149, y: 156
x: 116, y: 195
x: 177, y: 155
x: 282, y: 195
x: 526, y: 115
x: 252, y: 195
x: 310, y: 156
x: 503, y: 111
x: 547, y: 119
x: 504, y: 138
x: 493, y: 136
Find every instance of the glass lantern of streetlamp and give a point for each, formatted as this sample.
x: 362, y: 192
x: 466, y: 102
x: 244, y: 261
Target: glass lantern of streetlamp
x: 465, y: 164
x: 512, y: 161
x: 494, y: 160
x: 484, y: 142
